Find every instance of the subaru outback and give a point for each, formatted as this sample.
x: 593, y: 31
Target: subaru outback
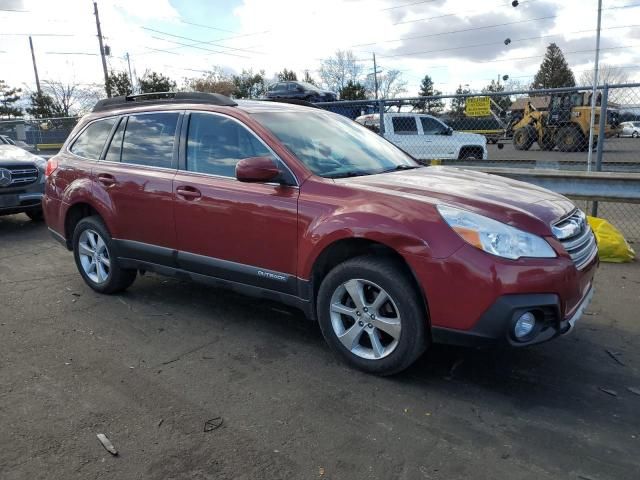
x: 309, y: 208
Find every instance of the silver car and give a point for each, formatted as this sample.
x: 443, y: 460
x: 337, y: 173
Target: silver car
x: 630, y: 129
x: 21, y: 182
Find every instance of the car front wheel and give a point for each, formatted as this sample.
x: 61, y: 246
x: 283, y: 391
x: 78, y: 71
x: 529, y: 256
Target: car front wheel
x: 93, y: 253
x: 372, y: 315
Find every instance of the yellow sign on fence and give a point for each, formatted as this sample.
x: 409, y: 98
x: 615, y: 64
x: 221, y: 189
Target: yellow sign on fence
x: 478, y: 107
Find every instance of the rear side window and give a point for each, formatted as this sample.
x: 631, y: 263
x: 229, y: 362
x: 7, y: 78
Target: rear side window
x: 114, y: 151
x: 404, y: 125
x: 216, y: 143
x: 91, y: 141
x: 149, y: 138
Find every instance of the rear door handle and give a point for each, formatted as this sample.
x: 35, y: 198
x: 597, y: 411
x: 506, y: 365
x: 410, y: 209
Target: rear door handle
x: 188, y: 193
x: 106, y: 179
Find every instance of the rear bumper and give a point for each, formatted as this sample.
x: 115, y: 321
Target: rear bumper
x: 495, y: 327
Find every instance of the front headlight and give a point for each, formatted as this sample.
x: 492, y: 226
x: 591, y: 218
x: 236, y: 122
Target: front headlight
x: 495, y: 237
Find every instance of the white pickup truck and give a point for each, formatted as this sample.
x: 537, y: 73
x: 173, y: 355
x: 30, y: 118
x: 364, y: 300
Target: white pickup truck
x: 426, y: 138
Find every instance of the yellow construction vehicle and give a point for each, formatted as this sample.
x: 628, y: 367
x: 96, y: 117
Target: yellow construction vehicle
x: 563, y: 124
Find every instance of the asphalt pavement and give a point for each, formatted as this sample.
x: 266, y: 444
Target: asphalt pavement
x: 190, y: 382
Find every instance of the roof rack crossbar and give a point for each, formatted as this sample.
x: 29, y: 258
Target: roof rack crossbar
x: 159, y: 98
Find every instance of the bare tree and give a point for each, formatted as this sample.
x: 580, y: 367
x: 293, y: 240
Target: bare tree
x: 72, y: 98
x: 390, y: 84
x: 214, y: 81
x: 336, y: 71
x: 606, y: 74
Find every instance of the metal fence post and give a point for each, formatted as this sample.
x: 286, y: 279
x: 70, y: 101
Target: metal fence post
x: 601, y: 139
x: 381, y: 108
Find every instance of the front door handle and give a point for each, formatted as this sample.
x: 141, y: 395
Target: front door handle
x: 188, y: 193
x: 106, y: 179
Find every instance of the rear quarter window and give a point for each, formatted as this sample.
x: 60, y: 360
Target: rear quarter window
x: 404, y: 125
x: 90, y: 142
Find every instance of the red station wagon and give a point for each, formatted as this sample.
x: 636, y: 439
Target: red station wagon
x: 309, y: 208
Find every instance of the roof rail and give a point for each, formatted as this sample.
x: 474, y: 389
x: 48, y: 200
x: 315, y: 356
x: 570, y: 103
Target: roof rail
x: 159, y: 98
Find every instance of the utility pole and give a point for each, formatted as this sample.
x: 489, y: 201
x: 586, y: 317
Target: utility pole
x: 375, y: 74
x: 102, y: 55
x: 35, y: 67
x: 129, y: 65
x: 594, y: 92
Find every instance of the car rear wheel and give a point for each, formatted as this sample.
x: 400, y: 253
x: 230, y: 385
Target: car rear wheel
x: 371, y: 314
x: 93, y: 253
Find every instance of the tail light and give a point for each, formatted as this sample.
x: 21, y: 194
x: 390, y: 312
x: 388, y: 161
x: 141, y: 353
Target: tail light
x: 52, y: 165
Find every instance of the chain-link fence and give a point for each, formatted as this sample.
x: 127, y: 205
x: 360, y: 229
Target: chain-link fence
x: 38, y: 135
x: 549, y: 129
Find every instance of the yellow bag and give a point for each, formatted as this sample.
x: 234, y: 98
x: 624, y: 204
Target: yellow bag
x: 612, y: 247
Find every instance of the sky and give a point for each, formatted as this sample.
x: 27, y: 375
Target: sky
x: 456, y: 42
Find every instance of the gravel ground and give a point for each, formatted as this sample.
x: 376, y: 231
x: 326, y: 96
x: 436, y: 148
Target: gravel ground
x: 150, y: 367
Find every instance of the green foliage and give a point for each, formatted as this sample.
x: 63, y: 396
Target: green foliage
x: 44, y: 106
x: 8, y: 97
x: 504, y: 102
x: 458, y: 104
x: 152, y: 82
x: 249, y: 84
x: 427, y: 90
x: 554, y: 70
x: 309, y: 79
x: 119, y: 84
x: 353, y: 91
x: 287, y: 76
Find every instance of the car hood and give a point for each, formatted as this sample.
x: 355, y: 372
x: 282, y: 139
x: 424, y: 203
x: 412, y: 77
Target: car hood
x: 12, y: 154
x: 516, y: 203
x: 473, y: 138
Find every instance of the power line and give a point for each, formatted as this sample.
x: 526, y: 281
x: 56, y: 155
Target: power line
x: 458, y: 31
x: 206, y: 26
x: 196, y: 40
x: 41, y: 35
x: 200, y: 48
x: 408, y: 5
x: 453, y: 14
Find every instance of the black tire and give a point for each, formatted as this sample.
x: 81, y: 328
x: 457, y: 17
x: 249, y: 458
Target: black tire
x: 118, y: 278
x: 35, y: 215
x: 635, y: 135
x: 391, y: 276
x: 524, y: 137
x: 470, y: 153
x: 571, y: 139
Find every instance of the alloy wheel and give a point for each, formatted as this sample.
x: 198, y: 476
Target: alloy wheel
x: 94, y: 256
x: 365, y: 319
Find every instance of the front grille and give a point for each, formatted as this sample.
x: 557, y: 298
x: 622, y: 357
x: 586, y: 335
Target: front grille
x: 21, y: 175
x: 577, y: 238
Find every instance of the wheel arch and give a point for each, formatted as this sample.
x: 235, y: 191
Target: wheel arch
x: 343, y: 249
x: 74, y: 214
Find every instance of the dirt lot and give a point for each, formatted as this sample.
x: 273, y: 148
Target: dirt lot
x: 148, y: 368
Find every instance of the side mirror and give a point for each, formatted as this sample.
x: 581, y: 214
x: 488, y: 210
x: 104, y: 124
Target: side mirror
x: 257, y: 169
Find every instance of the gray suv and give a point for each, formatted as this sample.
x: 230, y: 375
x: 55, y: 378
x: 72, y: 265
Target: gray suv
x: 21, y: 182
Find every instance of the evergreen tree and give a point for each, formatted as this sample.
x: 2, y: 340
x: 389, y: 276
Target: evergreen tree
x: 152, y: 82
x: 353, y: 91
x: 119, y: 84
x: 44, y: 106
x: 8, y: 97
x: 427, y: 90
x: 458, y: 103
x: 249, y: 84
x: 554, y: 70
x: 503, y: 102
x: 308, y: 78
x: 287, y: 76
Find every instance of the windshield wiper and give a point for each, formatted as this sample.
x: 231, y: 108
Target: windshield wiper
x: 400, y: 167
x: 348, y: 174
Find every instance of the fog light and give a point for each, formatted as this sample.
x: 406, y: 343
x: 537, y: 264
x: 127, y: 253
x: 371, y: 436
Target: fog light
x: 524, y: 325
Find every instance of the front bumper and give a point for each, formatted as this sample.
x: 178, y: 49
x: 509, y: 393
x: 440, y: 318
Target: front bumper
x: 12, y: 203
x: 496, y: 326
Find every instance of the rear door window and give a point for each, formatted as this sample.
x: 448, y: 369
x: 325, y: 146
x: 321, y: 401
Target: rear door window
x: 114, y: 152
x: 215, y: 144
x: 404, y: 125
x: 91, y: 141
x: 149, y: 139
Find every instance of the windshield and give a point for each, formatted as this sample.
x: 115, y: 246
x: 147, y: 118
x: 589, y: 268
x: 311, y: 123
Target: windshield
x: 333, y: 146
